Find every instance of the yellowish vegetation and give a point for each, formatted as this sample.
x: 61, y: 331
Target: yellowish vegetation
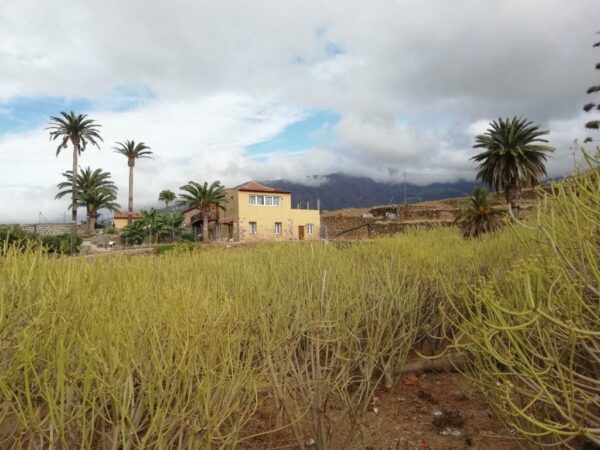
x: 181, y: 350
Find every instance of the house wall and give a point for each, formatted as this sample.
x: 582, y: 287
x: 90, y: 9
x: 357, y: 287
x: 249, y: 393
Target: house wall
x: 121, y: 223
x: 242, y: 213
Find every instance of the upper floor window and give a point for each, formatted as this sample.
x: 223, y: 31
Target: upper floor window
x: 264, y: 200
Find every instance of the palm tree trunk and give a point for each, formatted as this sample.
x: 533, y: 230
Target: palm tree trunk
x: 512, y: 193
x: 217, y: 226
x: 205, y: 225
x: 130, y: 200
x: 74, y: 189
x: 91, y: 219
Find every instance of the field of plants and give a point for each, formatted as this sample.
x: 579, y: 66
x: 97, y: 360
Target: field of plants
x: 185, y: 349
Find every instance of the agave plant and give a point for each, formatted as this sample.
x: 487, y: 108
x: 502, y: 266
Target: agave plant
x: 479, y: 216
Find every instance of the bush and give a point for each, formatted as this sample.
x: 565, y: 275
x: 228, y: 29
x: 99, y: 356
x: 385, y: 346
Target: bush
x: 16, y: 237
x: 187, y: 237
x: 531, y: 336
x: 65, y: 244
x: 178, y: 247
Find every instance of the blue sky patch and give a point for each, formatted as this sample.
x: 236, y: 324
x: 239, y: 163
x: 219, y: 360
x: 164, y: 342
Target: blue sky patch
x: 24, y: 113
x: 316, y: 128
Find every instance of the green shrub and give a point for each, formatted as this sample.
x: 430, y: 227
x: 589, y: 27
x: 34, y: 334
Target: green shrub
x: 178, y: 247
x: 531, y: 336
x: 187, y: 237
x: 109, y: 230
x: 65, y: 244
x: 15, y: 236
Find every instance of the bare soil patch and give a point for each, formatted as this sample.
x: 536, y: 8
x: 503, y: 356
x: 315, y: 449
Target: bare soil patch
x: 434, y: 411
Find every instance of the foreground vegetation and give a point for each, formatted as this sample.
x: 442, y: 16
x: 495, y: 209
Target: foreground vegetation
x: 184, y: 349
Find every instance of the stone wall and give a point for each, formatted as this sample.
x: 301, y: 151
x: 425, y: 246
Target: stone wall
x: 51, y: 229
x: 337, y: 224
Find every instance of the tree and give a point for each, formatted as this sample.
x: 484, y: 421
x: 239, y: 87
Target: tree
x: 94, y: 190
x: 171, y: 223
x: 591, y: 106
x: 479, y: 216
x: 132, y: 151
x: 166, y: 196
x: 81, y: 131
x: 202, y: 196
x: 514, y: 157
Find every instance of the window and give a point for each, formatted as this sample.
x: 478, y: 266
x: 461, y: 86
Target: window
x: 264, y: 200
x: 277, y: 227
x: 309, y: 228
x: 252, y: 228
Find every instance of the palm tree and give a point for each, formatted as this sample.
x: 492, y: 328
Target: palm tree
x: 132, y: 151
x: 171, y: 224
x: 202, y: 196
x: 166, y: 196
x: 479, y: 216
x: 514, y: 157
x: 81, y: 131
x: 591, y: 106
x: 94, y: 190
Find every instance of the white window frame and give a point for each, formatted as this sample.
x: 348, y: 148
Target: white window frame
x: 252, y: 228
x: 309, y: 228
x: 265, y: 200
x: 278, y: 228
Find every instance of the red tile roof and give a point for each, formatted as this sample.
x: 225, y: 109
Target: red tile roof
x: 124, y: 215
x: 253, y: 186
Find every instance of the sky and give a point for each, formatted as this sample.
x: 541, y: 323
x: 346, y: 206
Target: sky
x: 240, y: 90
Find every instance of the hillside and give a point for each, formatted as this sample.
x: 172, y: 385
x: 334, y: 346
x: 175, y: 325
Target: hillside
x: 339, y: 191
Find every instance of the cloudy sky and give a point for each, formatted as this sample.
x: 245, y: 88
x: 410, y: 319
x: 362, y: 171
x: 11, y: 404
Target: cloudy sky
x: 238, y: 90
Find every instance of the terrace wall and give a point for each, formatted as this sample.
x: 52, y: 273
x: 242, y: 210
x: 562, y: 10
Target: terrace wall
x: 51, y: 229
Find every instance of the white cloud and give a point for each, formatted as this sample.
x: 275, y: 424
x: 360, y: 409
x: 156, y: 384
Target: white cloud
x: 228, y: 74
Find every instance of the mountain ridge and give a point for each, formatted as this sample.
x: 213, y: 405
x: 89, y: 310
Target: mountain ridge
x: 339, y: 191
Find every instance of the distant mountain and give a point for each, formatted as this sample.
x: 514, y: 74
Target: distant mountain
x: 338, y: 191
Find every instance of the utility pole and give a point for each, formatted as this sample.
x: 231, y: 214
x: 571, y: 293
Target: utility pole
x: 574, y: 147
x: 404, y: 187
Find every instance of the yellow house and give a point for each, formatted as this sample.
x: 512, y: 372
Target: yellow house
x: 120, y: 219
x: 256, y: 212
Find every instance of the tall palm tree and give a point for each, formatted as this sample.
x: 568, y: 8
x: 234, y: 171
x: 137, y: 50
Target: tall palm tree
x: 479, y: 216
x: 592, y: 106
x: 166, y: 196
x: 132, y: 151
x: 202, y: 196
x: 514, y: 157
x: 95, y: 190
x: 81, y: 131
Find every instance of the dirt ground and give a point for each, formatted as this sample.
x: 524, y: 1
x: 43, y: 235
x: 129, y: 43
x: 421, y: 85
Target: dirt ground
x: 403, y: 419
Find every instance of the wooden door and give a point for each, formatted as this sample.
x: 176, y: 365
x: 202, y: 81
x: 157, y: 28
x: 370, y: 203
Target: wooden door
x: 301, y: 232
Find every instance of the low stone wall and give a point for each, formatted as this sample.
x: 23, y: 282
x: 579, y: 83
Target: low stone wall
x: 338, y: 224
x: 51, y: 229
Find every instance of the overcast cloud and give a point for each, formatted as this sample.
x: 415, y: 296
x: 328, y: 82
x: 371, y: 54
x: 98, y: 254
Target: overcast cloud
x: 411, y: 82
